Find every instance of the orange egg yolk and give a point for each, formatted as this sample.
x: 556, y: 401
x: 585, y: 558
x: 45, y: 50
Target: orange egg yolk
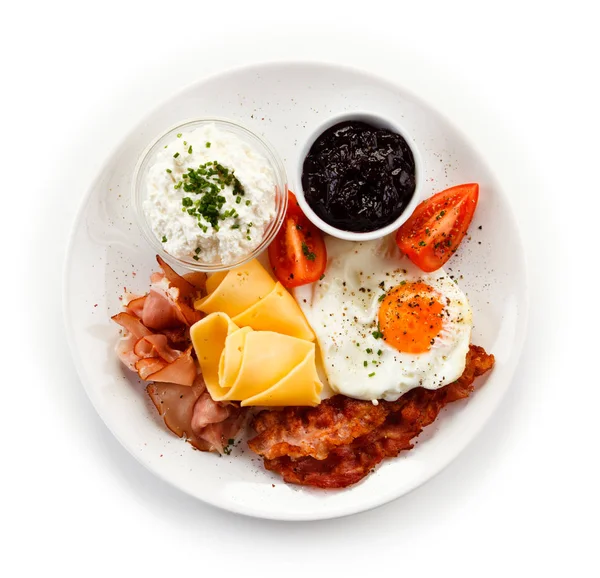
x: 410, y: 317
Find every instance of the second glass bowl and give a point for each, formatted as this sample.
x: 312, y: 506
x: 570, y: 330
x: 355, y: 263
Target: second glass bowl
x: 139, y: 190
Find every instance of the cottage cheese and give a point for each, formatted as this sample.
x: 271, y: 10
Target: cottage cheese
x: 188, y: 237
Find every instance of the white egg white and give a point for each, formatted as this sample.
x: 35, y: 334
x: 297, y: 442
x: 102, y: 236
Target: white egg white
x: 343, y: 308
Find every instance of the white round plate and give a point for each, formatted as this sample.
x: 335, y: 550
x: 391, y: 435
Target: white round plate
x: 284, y: 102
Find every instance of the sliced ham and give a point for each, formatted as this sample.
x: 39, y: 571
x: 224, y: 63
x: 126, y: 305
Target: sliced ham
x: 186, y: 289
x: 197, y: 279
x: 185, y: 310
x: 182, y: 371
x: 178, y: 337
x: 168, y: 305
x: 151, y: 354
x: 134, y: 331
x: 148, y: 366
x: 215, y: 422
x: 207, y: 411
x: 177, y: 405
x: 143, y: 349
x: 160, y: 312
x: 131, y: 324
x: 156, y: 345
x: 163, y: 349
x: 182, y: 293
x: 218, y: 435
x: 136, y: 306
x: 214, y: 436
x: 124, y: 350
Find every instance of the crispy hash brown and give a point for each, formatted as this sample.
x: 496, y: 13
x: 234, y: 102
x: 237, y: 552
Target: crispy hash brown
x: 337, y: 443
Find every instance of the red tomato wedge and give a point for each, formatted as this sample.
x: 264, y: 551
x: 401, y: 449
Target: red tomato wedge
x: 434, y: 231
x: 297, y: 254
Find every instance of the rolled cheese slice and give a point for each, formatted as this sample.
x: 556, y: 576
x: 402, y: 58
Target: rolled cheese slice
x: 208, y: 338
x: 255, y: 367
x: 253, y: 299
x: 301, y: 386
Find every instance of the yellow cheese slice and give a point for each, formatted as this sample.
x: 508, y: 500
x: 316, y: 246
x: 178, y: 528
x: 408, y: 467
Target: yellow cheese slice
x: 252, y: 298
x: 255, y: 367
x: 232, y: 357
x: 268, y: 357
x: 279, y: 312
x: 214, y: 281
x: 237, y: 290
x: 301, y: 386
x: 208, y: 338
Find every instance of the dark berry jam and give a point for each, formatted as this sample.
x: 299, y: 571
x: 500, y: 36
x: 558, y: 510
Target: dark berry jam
x: 357, y: 177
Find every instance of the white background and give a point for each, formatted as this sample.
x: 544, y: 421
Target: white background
x: 522, y: 499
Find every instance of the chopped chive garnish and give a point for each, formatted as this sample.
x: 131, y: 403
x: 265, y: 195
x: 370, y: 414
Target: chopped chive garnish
x: 164, y: 239
x: 381, y: 298
x: 369, y: 350
x: 195, y: 258
x: 175, y: 155
x: 207, y: 182
x: 365, y: 363
x: 178, y: 135
x: 377, y: 334
x: 371, y: 374
x: 247, y: 203
x: 379, y: 352
x: 249, y: 238
x: 207, y: 145
x: 238, y: 200
x: 190, y: 150
x: 197, y: 250
x: 236, y: 226
x: 307, y: 252
x: 322, y: 277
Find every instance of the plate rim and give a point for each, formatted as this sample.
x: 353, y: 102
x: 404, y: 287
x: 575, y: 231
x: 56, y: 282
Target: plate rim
x: 482, y: 418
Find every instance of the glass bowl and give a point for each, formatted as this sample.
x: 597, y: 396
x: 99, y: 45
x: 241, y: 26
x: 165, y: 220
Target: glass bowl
x: 139, y: 190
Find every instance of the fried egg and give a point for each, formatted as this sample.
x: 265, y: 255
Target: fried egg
x: 383, y: 326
